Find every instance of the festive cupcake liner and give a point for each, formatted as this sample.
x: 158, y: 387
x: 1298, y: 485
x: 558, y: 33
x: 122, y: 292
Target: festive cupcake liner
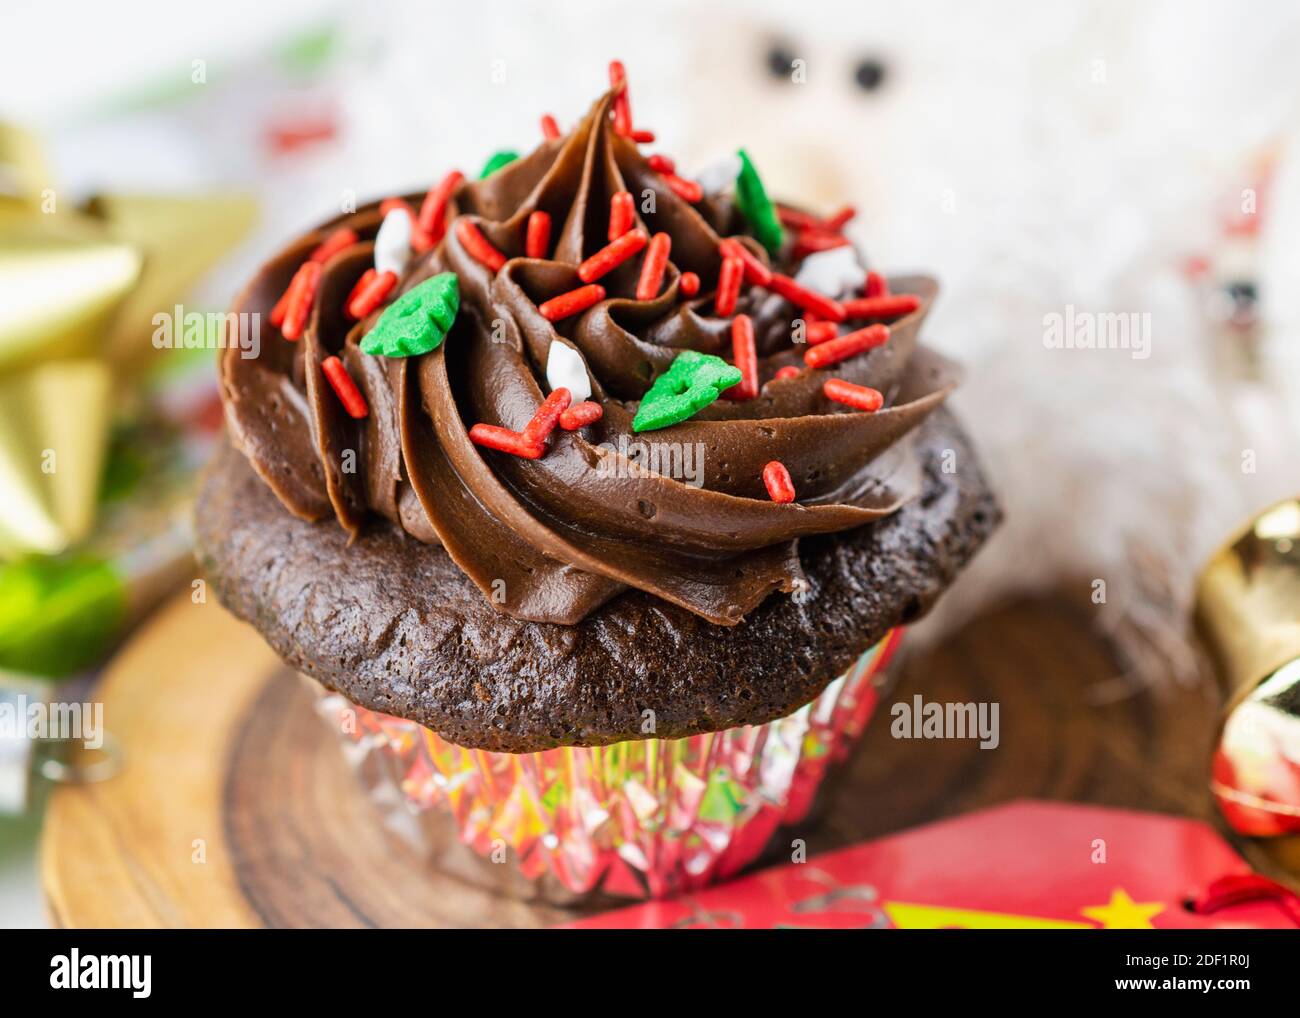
x: 637, y: 819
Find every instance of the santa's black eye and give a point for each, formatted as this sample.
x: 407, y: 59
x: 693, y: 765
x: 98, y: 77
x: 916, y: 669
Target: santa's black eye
x: 869, y: 75
x: 780, y: 61
x: 1242, y: 291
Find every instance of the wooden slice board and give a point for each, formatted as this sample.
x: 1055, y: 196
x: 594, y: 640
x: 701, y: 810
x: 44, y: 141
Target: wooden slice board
x: 235, y: 807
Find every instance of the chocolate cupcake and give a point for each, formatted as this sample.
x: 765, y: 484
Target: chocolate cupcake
x: 597, y: 494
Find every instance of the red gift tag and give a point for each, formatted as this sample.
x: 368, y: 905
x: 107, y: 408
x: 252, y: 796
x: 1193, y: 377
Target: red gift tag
x: 1028, y: 865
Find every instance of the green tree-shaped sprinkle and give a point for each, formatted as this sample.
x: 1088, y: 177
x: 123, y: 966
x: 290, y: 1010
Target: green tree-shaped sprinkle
x: 692, y: 382
x: 417, y: 321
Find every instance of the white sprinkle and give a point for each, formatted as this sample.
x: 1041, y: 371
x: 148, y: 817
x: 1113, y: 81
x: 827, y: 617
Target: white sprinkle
x: 393, y: 242
x: 564, y: 367
x: 720, y: 176
x: 831, y: 272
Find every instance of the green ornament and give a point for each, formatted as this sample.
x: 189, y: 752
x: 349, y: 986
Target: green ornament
x: 417, y: 321
x: 502, y: 158
x: 757, y: 207
x: 59, y: 615
x: 692, y: 382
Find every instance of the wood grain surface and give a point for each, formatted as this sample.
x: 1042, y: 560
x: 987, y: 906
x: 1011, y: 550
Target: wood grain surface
x: 235, y: 806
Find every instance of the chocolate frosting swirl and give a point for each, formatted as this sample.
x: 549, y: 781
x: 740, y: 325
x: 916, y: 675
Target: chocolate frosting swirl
x: 552, y: 539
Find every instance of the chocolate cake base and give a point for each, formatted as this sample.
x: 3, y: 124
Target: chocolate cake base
x: 395, y: 626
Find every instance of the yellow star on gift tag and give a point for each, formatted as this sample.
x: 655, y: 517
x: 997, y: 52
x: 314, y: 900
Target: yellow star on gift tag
x: 1123, y: 913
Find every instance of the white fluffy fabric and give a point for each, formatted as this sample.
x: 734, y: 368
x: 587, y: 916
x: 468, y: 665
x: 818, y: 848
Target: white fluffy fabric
x: 1038, y: 158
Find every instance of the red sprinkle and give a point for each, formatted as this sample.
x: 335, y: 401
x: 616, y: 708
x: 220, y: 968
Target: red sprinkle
x: 840, y: 219
x: 689, y: 284
x: 888, y: 306
x: 612, y: 255
x: 537, y: 241
x: 801, y: 296
x: 813, y: 241
x: 343, y: 237
x: 621, y: 214
x: 662, y: 164
x: 755, y: 271
x: 361, y: 284
x: 819, y: 230
x: 622, y: 105
x: 282, y: 305
x: 652, y: 269
x: 580, y: 415
x: 877, y: 285
x: 860, y: 397
x: 548, y: 415
x: 789, y: 371
x: 797, y: 220
x: 346, y: 389
x: 571, y: 303
x: 745, y: 357
x: 478, y: 246
x: 370, y: 292
x: 504, y: 440
x: 433, y: 212
x: 849, y: 345
x: 421, y: 241
x: 724, y: 301
x: 686, y: 190
x: 776, y: 478
x: 819, y: 332
x: 389, y: 204
x: 643, y: 137
x: 301, y: 294
x: 550, y: 129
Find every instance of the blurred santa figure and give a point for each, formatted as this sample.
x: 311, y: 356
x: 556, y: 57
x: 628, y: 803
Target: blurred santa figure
x: 1056, y: 163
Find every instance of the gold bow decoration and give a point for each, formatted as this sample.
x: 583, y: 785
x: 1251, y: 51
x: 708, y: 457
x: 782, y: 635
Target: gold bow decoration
x: 79, y: 286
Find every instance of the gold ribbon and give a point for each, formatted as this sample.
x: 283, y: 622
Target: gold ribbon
x: 78, y: 291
